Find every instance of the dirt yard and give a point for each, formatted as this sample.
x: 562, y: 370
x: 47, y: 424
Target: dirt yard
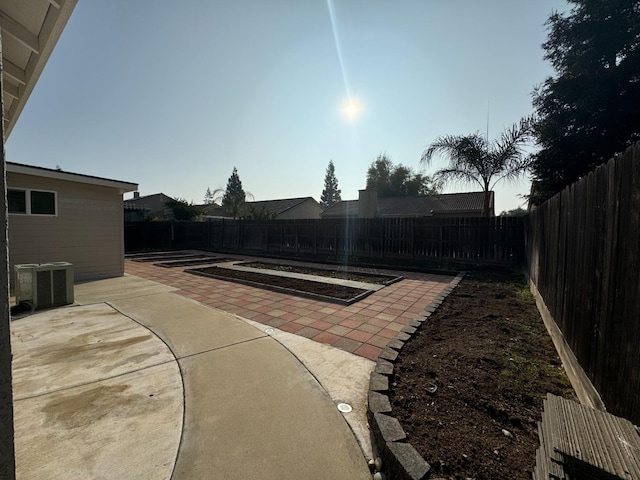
x: 488, y: 357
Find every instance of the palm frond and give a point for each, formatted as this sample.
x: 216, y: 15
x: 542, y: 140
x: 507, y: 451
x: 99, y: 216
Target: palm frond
x: 453, y: 175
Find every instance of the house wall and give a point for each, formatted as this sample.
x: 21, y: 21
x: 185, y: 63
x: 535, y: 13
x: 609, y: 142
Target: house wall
x: 307, y: 209
x: 87, y: 232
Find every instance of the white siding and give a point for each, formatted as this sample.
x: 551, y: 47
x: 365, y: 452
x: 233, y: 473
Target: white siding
x: 87, y: 232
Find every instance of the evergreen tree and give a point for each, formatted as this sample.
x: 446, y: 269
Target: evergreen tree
x: 331, y: 193
x: 234, y: 196
x: 209, y: 197
x: 589, y: 110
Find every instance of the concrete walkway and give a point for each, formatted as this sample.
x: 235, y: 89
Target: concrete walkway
x: 138, y: 382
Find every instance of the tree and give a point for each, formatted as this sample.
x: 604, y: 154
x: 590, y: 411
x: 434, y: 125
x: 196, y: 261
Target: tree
x: 183, y: 210
x: 472, y: 159
x: 397, y: 180
x: 331, y: 192
x: 516, y: 212
x: 209, y: 197
x: 589, y: 110
x: 234, y: 196
x: 262, y: 214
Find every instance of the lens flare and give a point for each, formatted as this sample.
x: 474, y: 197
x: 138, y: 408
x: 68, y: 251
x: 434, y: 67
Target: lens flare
x: 351, y: 109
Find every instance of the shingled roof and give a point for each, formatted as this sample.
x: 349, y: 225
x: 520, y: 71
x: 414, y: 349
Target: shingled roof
x: 278, y: 206
x: 454, y: 204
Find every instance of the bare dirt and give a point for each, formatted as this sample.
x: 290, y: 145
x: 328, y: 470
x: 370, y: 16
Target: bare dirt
x: 291, y: 285
x: 487, y: 353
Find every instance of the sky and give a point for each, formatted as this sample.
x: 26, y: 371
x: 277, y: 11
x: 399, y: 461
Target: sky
x: 174, y: 95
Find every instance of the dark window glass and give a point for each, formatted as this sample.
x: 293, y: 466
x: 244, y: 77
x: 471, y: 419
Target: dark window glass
x: 17, y: 201
x: 43, y: 203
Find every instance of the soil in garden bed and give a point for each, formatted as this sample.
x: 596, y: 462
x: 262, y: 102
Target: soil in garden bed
x: 321, y: 272
x: 489, y: 355
x: 292, y: 284
x: 162, y: 258
x: 189, y: 263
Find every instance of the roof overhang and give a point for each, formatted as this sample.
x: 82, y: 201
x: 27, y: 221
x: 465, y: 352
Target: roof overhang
x: 123, y: 187
x: 30, y: 30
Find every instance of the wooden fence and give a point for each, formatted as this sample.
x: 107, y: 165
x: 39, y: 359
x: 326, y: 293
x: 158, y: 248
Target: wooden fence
x: 583, y: 254
x: 474, y: 240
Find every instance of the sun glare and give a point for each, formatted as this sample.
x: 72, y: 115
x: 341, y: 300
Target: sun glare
x: 351, y: 109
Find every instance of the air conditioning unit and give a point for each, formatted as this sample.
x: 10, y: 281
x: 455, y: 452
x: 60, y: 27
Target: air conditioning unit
x: 44, y: 284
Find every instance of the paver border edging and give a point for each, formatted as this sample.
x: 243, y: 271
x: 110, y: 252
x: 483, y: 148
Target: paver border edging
x: 400, y: 461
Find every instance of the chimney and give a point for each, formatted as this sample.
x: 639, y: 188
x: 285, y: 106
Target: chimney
x: 136, y: 195
x: 367, y: 203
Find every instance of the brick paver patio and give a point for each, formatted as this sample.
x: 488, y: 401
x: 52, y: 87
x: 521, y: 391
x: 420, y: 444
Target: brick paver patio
x: 363, y: 328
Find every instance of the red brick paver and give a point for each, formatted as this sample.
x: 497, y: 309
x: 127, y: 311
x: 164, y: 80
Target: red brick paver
x: 363, y: 328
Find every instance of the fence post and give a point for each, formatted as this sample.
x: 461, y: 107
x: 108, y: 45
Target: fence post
x: 281, y: 236
x: 413, y: 235
x: 315, y: 237
x: 266, y: 236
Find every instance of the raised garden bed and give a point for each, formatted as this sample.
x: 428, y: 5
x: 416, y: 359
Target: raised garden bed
x: 323, y: 272
x: 294, y: 286
x: 164, y: 257
x: 468, y: 388
x: 188, y: 263
x: 131, y: 256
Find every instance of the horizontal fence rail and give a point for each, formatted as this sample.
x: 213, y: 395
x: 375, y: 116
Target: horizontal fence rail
x: 583, y: 254
x: 478, y: 240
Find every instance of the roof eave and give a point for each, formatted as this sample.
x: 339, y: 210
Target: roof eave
x: 123, y: 187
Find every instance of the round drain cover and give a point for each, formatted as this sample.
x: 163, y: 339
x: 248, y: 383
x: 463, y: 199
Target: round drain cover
x: 269, y: 331
x: 344, y: 407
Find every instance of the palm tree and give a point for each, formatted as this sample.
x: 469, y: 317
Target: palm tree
x: 473, y: 159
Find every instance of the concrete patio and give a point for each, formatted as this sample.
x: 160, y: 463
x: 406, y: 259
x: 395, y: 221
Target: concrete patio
x: 139, y: 379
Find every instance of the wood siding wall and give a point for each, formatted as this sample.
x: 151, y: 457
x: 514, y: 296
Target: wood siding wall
x: 583, y: 255
x: 477, y: 240
x: 87, y: 232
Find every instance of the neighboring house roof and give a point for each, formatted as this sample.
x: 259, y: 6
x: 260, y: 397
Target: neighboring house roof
x: 278, y: 206
x: 344, y: 208
x: 70, y: 177
x: 30, y: 31
x: 152, y: 205
x: 213, y: 210
x: 416, y: 206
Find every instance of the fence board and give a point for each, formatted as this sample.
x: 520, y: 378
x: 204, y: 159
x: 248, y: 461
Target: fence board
x: 495, y: 240
x: 583, y: 254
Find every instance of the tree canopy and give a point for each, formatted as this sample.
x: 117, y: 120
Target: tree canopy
x: 397, y: 180
x: 331, y: 192
x: 516, y: 212
x: 234, y: 196
x: 253, y: 213
x: 183, y: 210
x: 209, y: 197
x: 589, y: 110
x: 473, y: 159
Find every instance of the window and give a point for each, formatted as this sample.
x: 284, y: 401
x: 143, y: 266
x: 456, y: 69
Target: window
x: 31, y: 202
x: 17, y: 200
